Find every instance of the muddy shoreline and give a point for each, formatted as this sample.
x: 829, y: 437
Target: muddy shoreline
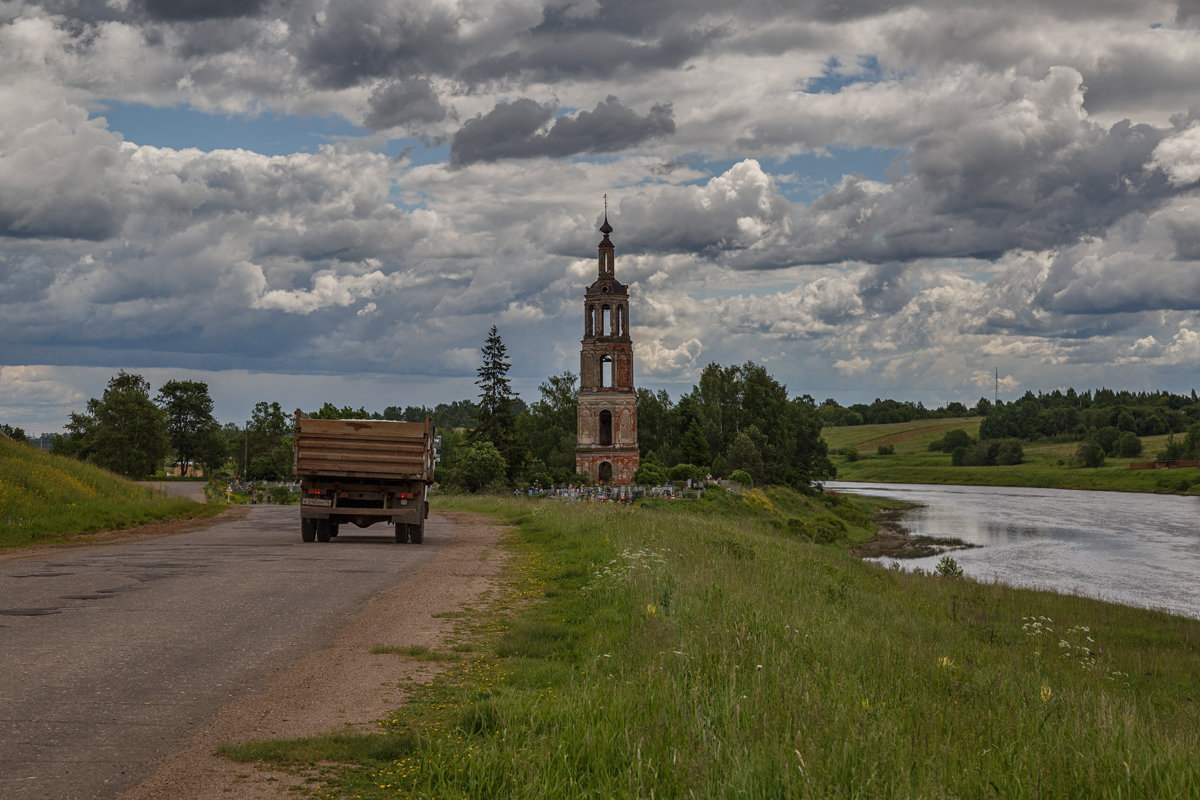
x: 893, y: 540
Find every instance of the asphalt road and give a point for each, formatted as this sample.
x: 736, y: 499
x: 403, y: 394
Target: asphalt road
x: 110, y: 655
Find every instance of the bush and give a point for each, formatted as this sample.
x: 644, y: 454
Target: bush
x: 959, y: 457
x: 1129, y: 445
x: 885, y: 449
x: 685, y: 472
x: 850, y: 453
x: 1009, y: 452
x: 1089, y: 454
x: 650, y: 474
x: 741, y: 478
x: 955, y: 439
x: 948, y: 568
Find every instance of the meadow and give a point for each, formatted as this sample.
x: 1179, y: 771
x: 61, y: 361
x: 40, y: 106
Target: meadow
x: 712, y: 649
x: 46, y: 498
x: 1046, y: 464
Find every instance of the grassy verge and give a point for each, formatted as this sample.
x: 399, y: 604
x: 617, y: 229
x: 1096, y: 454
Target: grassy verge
x: 707, y: 650
x: 1046, y: 464
x: 46, y: 498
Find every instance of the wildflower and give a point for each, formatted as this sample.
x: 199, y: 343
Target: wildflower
x: 1046, y: 692
x: 945, y: 662
x: 651, y: 610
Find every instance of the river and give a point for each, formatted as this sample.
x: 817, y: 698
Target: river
x: 1136, y: 549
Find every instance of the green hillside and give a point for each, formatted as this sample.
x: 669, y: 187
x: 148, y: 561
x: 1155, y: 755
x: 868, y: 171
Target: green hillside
x: 48, y: 498
x: 1045, y: 465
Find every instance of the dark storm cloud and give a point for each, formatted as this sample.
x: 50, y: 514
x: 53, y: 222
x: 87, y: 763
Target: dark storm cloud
x: 403, y: 102
x: 360, y: 40
x: 594, y: 56
x: 511, y: 130
x: 193, y: 10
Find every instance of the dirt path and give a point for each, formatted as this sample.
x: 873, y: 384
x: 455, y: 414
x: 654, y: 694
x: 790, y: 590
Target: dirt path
x: 343, y: 687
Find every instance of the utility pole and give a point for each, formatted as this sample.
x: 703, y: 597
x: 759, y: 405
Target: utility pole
x: 997, y: 397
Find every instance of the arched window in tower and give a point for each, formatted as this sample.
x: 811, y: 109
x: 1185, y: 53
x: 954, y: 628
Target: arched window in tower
x: 606, y: 436
x: 605, y: 472
x: 605, y: 321
x: 606, y: 372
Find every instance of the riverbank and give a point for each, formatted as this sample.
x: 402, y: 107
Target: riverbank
x: 667, y: 650
x: 893, y: 540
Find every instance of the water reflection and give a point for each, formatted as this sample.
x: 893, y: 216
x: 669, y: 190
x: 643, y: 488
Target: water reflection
x: 1137, y: 549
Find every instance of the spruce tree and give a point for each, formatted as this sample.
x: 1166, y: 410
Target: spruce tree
x: 496, y: 423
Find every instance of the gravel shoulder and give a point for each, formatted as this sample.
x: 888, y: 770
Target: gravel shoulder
x: 343, y: 687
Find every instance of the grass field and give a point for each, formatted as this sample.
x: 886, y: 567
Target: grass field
x: 1046, y: 464
x: 700, y: 649
x: 47, y: 498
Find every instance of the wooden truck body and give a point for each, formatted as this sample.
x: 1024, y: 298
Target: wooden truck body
x: 363, y: 471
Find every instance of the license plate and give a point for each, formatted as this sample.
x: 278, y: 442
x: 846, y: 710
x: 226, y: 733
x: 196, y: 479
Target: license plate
x: 317, y: 501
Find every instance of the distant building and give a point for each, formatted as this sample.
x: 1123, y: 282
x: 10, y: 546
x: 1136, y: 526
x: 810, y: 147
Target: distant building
x: 607, y: 446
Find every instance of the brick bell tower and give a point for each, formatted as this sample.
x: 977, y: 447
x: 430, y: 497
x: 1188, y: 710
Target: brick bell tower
x: 607, y: 446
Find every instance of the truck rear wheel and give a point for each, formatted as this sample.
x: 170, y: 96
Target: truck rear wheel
x: 416, y: 533
x: 401, y: 533
x: 323, y: 527
x: 308, y: 530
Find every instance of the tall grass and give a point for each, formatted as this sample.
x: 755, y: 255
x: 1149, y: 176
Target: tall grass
x: 674, y: 652
x: 46, y: 498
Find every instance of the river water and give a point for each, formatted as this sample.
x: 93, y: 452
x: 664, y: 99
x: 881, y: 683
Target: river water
x: 1135, y: 549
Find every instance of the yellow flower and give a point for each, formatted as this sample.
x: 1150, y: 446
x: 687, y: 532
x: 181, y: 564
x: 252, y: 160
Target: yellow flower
x: 945, y: 662
x: 651, y: 610
x: 1046, y: 692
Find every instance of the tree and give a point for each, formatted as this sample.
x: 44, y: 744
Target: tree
x: 480, y: 466
x: 194, y: 433
x: 268, y: 443
x: 550, y: 426
x: 16, y: 434
x: 123, y: 431
x: 497, y: 423
x: 330, y: 411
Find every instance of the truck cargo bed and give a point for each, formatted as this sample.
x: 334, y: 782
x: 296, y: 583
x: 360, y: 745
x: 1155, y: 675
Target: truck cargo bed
x: 363, y: 448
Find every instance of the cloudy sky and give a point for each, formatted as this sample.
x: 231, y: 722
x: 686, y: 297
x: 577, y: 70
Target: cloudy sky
x: 315, y: 200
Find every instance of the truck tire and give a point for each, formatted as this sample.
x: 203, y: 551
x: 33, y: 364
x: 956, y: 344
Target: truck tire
x: 401, y: 533
x: 308, y: 530
x: 333, y: 529
x: 416, y: 533
x: 323, y: 527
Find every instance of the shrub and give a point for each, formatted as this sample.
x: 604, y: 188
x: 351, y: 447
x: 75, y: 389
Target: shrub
x: 955, y: 439
x: 741, y: 478
x: 650, y: 474
x: 1009, y: 452
x: 685, y: 472
x: 1089, y: 454
x: 1129, y: 445
x: 885, y: 449
x: 850, y: 453
x: 948, y: 568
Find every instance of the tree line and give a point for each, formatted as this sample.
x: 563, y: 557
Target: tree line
x: 735, y: 419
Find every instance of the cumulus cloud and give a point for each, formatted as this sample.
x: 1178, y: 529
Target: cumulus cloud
x: 1040, y: 206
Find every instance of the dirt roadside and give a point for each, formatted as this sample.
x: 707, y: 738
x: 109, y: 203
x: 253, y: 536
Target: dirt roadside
x: 342, y: 687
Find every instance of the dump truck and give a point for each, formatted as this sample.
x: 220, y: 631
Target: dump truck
x: 363, y: 471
